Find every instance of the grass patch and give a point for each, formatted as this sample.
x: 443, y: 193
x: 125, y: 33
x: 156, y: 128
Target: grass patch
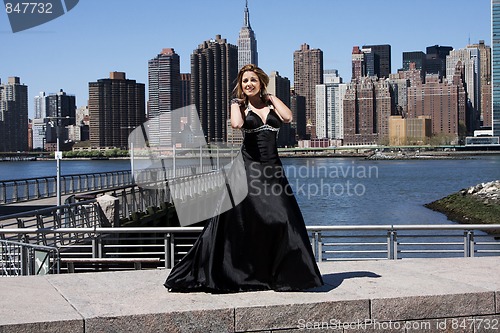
x: 467, y: 209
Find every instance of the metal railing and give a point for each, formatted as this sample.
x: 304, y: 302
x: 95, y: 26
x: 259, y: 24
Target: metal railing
x: 369, y: 242
x: 180, y: 164
x: 131, y: 198
x: 77, y: 215
x: 330, y: 243
x: 18, y: 190
x: 27, y: 259
x: 77, y: 230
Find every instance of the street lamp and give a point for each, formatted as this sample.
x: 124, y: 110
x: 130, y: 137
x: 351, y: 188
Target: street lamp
x: 58, y: 155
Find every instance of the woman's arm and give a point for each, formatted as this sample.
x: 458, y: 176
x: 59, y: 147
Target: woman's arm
x: 281, y: 109
x: 237, y: 113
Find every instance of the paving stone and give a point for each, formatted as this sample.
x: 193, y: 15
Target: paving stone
x: 294, y: 315
x: 438, y: 306
x: 31, y: 304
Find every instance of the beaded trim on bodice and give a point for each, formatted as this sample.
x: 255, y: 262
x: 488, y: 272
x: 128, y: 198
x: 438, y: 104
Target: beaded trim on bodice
x: 264, y: 127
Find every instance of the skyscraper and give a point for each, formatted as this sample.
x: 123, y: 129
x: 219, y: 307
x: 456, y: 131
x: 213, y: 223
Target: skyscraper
x: 214, y: 68
x: 416, y: 57
x: 185, y: 89
x: 164, y: 88
x: 38, y: 125
x: 358, y: 61
x: 40, y: 106
x: 485, y: 82
x: 116, y: 107
x: 280, y: 87
x: 369, y: 61
x: 329, y: 110
x: 298, y: 108
x: 443, y: 102
x: 367, y: 107
x: 495, y: 42
x: 381, y: 58
x: 247, y: 44
x: 164, y: 83
x: 435, y: 59
x: 13, y: 115
x: 469, y: 59
x: 59, y: 105
x: 308, y: 72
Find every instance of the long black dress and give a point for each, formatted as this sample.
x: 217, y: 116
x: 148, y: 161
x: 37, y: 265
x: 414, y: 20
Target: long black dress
x: 262, y: 242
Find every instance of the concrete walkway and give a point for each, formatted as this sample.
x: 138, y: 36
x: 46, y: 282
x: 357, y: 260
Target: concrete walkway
x: 27, y: 206
x: 409, y: 295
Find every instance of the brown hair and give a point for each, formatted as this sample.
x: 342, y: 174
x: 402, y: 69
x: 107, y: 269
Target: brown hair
x: 263, y: 78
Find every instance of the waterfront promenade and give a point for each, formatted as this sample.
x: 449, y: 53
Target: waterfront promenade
x: 409, y: 295
x: 27, y: 206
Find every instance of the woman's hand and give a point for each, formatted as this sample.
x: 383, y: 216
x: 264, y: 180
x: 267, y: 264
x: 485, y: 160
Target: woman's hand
x: 237, y: 112
x: 268, y: 98
x: 281, y: 109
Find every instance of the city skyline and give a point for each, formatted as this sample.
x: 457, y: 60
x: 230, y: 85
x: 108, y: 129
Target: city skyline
x: 85, y: 45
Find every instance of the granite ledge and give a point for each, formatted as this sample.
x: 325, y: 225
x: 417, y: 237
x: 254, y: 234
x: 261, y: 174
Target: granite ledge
x: 403, y: 291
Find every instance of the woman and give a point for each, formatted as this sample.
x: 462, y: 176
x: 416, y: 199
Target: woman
x: 262, y: 242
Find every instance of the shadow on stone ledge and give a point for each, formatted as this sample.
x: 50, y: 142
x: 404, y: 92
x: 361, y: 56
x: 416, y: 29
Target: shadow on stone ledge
x: 334, y: 280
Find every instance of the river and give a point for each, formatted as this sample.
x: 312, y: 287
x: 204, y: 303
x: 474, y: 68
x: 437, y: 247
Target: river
x: 337, y: 191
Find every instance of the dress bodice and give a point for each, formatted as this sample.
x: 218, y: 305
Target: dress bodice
x: 260, y: 136
x: 254, y: 121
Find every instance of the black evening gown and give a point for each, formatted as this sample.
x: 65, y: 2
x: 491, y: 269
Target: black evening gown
x: 262, y: 242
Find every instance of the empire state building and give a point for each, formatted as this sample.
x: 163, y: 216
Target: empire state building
x: 247, y: 44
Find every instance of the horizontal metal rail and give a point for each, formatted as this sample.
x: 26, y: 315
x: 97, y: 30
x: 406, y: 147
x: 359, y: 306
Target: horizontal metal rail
x: 167, y: 245
x: 20, y: 190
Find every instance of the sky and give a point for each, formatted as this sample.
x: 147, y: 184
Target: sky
x: 101, y: 36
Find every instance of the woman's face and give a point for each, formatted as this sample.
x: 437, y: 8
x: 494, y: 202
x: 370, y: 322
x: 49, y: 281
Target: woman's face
x: 250, y: 84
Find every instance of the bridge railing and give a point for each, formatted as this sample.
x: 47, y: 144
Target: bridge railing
x: 167, y: 245
x: 17, y: 190
x: 20, y: 190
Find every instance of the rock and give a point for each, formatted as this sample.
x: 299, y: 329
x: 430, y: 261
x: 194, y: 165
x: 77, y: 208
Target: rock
x: 109, y: 208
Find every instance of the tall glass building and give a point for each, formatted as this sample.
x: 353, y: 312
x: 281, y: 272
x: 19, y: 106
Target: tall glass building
x: 495, y: 41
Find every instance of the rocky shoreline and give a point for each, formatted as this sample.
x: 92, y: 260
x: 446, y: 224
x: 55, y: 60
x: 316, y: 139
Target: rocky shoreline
x: 479, y: 204
x: 411, y: 155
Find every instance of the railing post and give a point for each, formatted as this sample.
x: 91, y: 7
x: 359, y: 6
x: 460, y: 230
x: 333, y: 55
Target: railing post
x: 468, y: 243
x: 172, y: 250
x: 395, y: 246
x: 320, y: 246
x: 37, y: 189
x: 471, y: 247
x: 97, y: 251
x: 24, y: 260
x: 392, y: 245
x: 15, y: 193
x: 3, y: 193
x: 167, y: 244
x: 314, y: 243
